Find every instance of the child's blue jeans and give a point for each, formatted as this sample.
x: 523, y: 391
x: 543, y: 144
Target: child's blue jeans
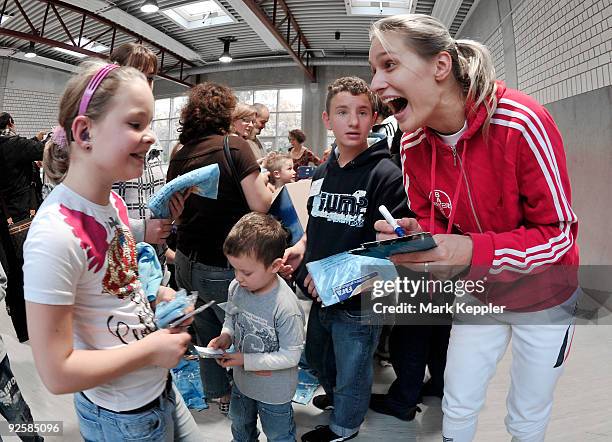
x: 276, y: 420
x: 340, y: 346
x: 169, y: 420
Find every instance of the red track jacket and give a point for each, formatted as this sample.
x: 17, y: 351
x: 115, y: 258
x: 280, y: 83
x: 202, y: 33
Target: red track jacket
x: 510, y: 192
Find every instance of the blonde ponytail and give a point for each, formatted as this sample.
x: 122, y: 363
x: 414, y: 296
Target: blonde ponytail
x: 476, y: 73
x: 56, y: 160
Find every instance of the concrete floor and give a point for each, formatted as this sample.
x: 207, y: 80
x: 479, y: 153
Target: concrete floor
x: 581, y: 411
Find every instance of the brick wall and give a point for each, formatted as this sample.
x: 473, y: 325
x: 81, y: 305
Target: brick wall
x: 32, y: 110
x: 563, y: 47
x: 495, y: 43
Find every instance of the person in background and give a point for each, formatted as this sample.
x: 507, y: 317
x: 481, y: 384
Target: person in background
x: 205, y: 223
x: 19, y: 201
x: 262, y: 115
x: 243, y: 122
x: 17, y: 155
x: 13, y: 406
x: 301, y: 156
x: 267, y: 331
x: 281, y: 169
x: 137, y: 192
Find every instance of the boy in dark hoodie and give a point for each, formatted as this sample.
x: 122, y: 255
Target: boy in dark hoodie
x: 343, y: 205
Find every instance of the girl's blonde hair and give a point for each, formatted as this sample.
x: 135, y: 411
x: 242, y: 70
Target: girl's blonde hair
x: 56, y: 158
x: 472, y: 62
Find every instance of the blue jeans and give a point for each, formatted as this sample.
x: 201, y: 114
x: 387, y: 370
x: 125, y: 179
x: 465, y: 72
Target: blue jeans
x: 169, y: 421
x: 212, y: 283
x: 340, y: 345
x: 276, y: 420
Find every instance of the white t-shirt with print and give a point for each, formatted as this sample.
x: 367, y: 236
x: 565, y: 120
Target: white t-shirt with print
x: 83, y: 254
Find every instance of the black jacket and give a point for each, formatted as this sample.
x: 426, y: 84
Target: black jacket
x: 343, y: 212
x: 16, y: 157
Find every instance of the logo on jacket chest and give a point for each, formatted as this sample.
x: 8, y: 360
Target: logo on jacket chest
x: 442, y: 201
x: 341, y: 208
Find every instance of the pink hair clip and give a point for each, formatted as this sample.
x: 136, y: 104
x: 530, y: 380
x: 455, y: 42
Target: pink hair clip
x: 58, y: 136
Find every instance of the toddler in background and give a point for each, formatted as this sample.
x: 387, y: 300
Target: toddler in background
x: 281, y: 170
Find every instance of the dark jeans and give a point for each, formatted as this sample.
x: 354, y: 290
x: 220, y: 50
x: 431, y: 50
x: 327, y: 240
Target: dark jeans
x: 211, y: 283
x: 12, y: 405
x: 340, y: 345
x: 412, y: 347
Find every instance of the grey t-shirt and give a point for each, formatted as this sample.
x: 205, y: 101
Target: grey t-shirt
x: 269, y: 329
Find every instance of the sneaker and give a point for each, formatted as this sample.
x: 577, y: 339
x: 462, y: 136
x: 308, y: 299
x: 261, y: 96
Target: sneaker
x: 322, y: 402
x: 224, y: 408
x: 379, y: 404
x: 322, y: 433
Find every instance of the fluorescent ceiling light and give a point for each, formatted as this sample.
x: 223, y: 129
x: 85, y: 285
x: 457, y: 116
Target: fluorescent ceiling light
x: 85, y: 44
x: 199, y: 15
x: 377, y: 8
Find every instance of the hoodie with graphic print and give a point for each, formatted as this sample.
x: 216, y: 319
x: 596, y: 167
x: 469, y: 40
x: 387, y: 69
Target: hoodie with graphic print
x: 510, y: 192
x: 343, y: 205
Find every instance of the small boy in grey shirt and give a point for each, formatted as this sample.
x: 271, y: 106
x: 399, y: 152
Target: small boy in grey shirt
x: 265, y: 323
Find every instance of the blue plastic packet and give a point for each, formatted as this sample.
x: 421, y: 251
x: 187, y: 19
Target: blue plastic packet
x: 150, y: 272
x: 168, y: 311
x: 338, y: 277
x: 306, y: 387
x: 186, y: 376
x: 205, y: 180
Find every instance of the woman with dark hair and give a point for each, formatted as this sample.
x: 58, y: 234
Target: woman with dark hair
x: 204, y: 223
x: 301, y: 155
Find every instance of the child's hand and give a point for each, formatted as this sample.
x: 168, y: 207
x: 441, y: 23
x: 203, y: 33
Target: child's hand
x: 165, y: 294
x: 157, y: 230
x: 177, y: 203
x: 223, y: 341
x: 292, y: 259
x: 166, y: 348
x: 231, y: 360
x: 312, y: 290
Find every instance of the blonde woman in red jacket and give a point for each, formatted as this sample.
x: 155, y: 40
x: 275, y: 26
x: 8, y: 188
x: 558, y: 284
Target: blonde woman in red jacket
x: 485, y: 171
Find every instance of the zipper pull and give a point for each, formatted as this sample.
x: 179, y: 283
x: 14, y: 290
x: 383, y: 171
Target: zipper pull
x: 454, y: 149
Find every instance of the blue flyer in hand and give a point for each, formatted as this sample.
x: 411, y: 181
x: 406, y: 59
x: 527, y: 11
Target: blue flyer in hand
x: 206, y: 183
x: 338, y: 277
x: 282, y: 209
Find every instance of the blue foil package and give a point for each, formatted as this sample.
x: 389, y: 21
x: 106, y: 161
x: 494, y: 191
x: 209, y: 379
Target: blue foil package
x: 338, y: 277
x: 205, y: 181
x: 149, y: 270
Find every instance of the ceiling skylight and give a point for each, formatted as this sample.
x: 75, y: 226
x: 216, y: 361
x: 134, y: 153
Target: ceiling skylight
x: 85, y: 44
x: 377, y: 8
x: 199, y: 15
